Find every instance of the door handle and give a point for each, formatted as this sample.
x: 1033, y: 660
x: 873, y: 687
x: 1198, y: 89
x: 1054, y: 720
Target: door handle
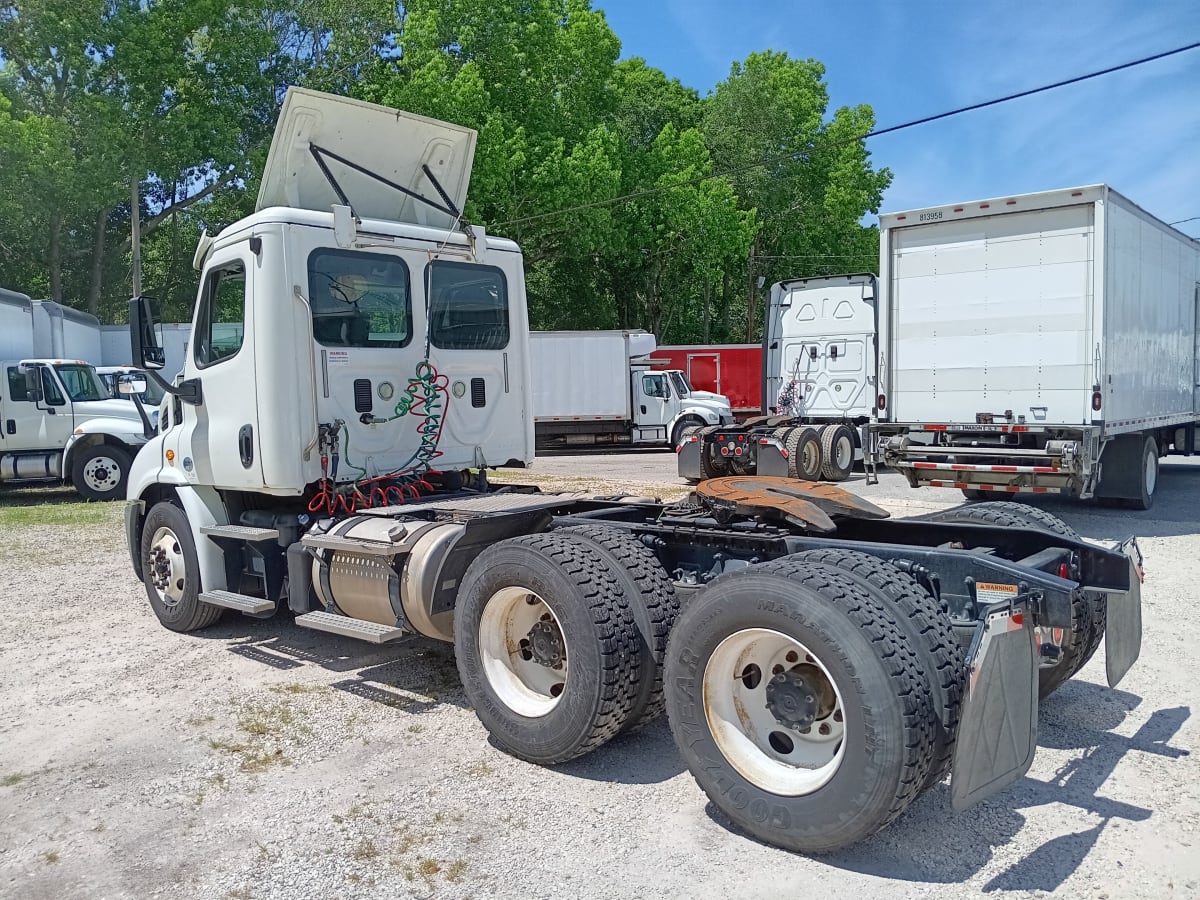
x: 246, y: 445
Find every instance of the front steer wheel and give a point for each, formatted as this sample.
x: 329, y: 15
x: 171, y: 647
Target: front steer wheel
x: 799, y: 705
x: 171, y: 570
x: 547, y: 646
x: 100, y: 472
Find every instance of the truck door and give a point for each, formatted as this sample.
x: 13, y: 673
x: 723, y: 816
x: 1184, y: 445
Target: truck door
x: 219, y: 438
x: 1196, y: 390
x: 654, y: 403
x: 30, y: 424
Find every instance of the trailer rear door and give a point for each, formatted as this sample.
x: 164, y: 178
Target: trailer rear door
x: 993, y: 314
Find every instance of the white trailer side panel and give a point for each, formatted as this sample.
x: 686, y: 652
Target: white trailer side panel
x: 992, y: 313
x: 16, y: 326
x: 579, y: 375
x: 1151, y: 305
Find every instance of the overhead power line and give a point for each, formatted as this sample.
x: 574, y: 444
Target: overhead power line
x: 637, y: 195
x: 1183, y: 221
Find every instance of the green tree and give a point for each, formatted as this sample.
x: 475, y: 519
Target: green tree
x: 807, y: 174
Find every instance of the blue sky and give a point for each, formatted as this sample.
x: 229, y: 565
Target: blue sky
x: 1137, y: 130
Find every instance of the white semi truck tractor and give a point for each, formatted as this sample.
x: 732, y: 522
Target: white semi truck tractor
x: 825, y: 665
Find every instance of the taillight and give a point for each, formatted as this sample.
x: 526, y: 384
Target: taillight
x: 1064, y: 571
x: 1097, y: 400
x: 882, y: 401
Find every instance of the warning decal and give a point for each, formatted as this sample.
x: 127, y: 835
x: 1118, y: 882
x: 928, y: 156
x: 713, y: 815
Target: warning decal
x: 988, y: 592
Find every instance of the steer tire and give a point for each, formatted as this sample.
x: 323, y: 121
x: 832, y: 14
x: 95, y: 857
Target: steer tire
x: 177, y: 606
x: 837, y: 452
x: 804, y: 453
x: 1088, y: 608
x: 100, y: 472
x: 885, y: 743
x: 576, y: 582
x: 652, y: 599
x: 928, y: 630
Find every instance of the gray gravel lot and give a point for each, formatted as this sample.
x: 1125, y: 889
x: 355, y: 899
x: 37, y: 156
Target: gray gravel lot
x: 257, y: 759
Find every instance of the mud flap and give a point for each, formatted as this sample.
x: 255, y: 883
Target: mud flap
x: 772, y: 459
x: 687, y: 458
x: 1123, y: 629
x: 997, y: 734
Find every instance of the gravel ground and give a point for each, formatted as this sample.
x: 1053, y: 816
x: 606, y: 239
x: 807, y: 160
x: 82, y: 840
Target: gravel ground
x: 257, y: 759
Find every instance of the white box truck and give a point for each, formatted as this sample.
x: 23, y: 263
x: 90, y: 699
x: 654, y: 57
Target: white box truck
x: 1042, y: 343
x: 57, y: 418
x: 600, y: 387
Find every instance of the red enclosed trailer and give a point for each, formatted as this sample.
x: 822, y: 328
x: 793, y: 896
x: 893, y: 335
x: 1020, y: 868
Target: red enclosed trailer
x: 734, y: 370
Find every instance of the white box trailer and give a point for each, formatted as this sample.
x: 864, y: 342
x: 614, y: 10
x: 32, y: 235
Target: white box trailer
x: 1040, y: 343
x: 596, y: 387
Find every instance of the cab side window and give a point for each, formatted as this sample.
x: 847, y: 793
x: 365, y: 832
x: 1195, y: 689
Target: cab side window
x: 221, y: 322
x: 655, y: 386
x: 50, y: 391
x: 16, y: 384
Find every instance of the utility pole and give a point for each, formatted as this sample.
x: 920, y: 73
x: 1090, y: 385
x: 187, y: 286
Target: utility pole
x: 135, y: 223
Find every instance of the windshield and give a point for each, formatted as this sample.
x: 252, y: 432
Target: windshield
x: 81, y: 382
x: 681, y: 384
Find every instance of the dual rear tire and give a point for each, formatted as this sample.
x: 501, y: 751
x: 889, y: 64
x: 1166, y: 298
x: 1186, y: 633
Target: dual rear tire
x: 560, y: 640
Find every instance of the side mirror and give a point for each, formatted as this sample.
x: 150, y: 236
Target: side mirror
x: 131, y: 384
x: 33, y: 383
x: 145, y: 333
x: 145, y: 339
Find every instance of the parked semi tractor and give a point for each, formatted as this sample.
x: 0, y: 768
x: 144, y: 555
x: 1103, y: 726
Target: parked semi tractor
x: 817, y: 387
x: 1043, y: 343
x: 57, y: 419
x: 601, y: 387
x: 821, y: 664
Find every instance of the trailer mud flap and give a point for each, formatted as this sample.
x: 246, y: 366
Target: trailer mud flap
x: 687, y: 456
x: 1123, y: 628
x: 772, y: 459
x: 997, y: 734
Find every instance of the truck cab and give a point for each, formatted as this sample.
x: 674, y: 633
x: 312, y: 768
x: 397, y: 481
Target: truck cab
x: 59, y: 421
x: 665, y: 404
x: 340, y: 354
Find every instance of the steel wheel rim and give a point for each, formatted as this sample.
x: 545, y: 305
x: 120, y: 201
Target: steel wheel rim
x: 516, y: 623
x: 101, y: 473
x: 777, y: 758
x: 843, y: 452
x: 1151, y: 474
x: 167, y: 567
x: 812, y: 456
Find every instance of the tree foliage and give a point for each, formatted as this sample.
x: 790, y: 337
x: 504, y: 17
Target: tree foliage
x: 179, y: 97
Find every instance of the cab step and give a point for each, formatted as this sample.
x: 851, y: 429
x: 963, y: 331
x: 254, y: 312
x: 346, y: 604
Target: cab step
x: 371, y: 632
x: 240, y: 532
x: 240, y: 602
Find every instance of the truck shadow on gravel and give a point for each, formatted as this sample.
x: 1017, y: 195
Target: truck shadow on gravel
x: 413, y: 674
x: 929, y: 843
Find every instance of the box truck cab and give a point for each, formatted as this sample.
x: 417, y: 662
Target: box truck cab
x: 59, y: 421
